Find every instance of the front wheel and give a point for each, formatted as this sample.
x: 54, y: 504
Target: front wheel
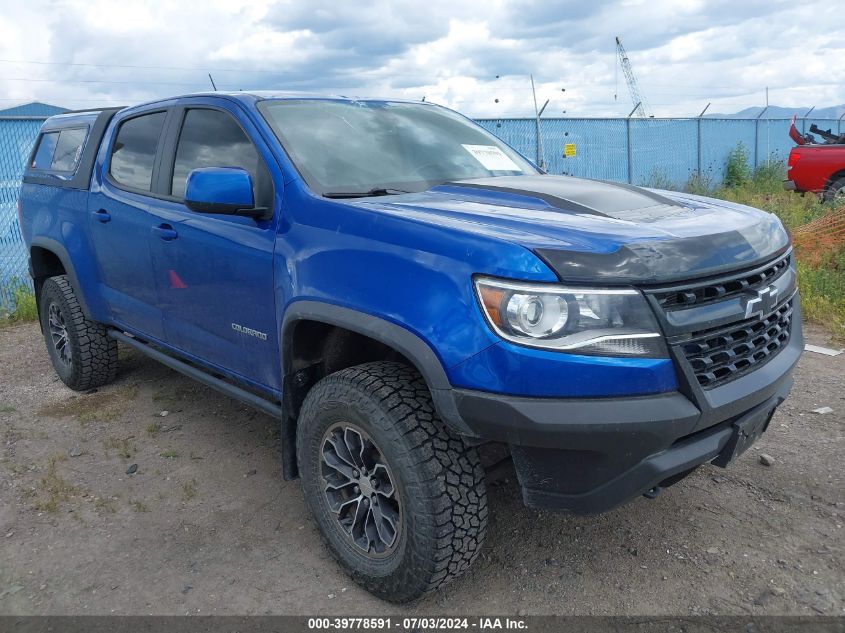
x: 83, y: 354
x: 398, y: 498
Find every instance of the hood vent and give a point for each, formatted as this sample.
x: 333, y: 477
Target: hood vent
x: 579, y: 195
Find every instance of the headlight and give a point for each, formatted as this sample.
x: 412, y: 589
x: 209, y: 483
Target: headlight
x: 605, y: 322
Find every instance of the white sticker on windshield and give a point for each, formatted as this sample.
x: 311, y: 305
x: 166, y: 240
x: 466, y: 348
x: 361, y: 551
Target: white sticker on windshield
x: 492, y: 158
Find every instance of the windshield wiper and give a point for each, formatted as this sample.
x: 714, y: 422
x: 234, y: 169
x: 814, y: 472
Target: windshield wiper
x: 377, y: 191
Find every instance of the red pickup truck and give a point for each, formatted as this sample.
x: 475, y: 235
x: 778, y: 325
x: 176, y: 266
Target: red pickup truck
x: 817, y: 167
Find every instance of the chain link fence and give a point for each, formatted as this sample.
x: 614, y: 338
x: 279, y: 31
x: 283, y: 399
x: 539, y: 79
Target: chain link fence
x: 664, y: 153
x: 17, y: 135
x: 657, y: 152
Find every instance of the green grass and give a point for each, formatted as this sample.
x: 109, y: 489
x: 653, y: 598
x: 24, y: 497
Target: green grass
x: 23, y: 308
x: 823, y: 292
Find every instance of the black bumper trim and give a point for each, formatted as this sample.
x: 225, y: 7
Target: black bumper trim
x: 682, y: 457
x: 575, y: 422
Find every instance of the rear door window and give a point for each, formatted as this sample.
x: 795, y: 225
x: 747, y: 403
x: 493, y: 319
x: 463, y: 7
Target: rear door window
x: 46, y: 148
x: 60, y: 150
x: 134, y: 151
x: 69, y: 149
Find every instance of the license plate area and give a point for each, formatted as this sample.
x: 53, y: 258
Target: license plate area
x: 746, y: 431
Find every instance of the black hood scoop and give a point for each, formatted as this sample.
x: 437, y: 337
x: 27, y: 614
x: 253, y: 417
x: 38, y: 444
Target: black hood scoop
x: 579, y: 195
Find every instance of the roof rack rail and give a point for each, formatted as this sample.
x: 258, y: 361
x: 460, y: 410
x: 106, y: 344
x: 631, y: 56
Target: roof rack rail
x: 109, y: 109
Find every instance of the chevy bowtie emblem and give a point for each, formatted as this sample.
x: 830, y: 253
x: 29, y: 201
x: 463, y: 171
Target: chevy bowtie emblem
x: 761, y: 302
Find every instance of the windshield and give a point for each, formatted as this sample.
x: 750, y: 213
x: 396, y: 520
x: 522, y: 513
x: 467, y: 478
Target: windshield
x: 348, y: 147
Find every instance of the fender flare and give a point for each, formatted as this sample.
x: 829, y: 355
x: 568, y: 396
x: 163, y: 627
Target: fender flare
x: 55, y: 247
x: 411, y: 346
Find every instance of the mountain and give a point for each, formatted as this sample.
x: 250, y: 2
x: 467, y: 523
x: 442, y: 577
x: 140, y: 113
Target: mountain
x: 780, y: 112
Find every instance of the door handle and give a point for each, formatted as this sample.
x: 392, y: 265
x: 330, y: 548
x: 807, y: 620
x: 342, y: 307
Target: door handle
x: 165, y: 232
x: 102, y: 215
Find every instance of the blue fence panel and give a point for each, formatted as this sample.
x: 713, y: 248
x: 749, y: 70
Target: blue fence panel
x: 16, y: 139
x: 773, y: 142
x: 521, y: 134
x: 600, y: 145
x: 719, y: 137
x: 664, y: 152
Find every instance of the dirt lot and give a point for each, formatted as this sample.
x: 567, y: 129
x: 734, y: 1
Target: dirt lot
x: 206, y: 524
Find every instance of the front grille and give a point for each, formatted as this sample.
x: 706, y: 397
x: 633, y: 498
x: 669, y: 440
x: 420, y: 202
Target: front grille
x: 723, y: 354
x: 722, y: 289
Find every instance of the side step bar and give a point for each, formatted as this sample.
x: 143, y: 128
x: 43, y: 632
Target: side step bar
x: 247, y: 397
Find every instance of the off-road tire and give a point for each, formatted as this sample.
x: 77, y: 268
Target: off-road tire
x: 835, y: 191
x: 93, y: 353
x: 439, y: 479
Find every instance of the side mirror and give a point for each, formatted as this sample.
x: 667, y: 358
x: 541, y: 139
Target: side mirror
x: 222, y: 190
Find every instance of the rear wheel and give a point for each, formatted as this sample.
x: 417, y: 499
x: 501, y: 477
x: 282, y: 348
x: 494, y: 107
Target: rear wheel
x: 83, y: 354
x: 835, y: 191
x: 398, y: 498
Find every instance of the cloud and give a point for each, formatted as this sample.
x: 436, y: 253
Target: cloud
x: 474, y: 56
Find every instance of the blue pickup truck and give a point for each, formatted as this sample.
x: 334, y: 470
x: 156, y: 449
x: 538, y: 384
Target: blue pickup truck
x: 398, y: 287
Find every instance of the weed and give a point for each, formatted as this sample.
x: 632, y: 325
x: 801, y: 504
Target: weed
x: 126, y: 354
x: 769, y: 176
x: 823, y: 292
x: 699, y: 183
x: 153, y: 429
x: 189, y: 489
x: 139, y: 506
x: 169, y: 454
x: 121, y: 445
x: 94, y: 407
x: 53, y: 488
x: 170, y: 394
x: 659, y: 179
x: 737, y: 170
x: 23, y: 307
x: 105, y: 505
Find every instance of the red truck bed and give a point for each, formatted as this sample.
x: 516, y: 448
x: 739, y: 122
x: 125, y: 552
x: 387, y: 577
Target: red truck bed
x: 817, y: 168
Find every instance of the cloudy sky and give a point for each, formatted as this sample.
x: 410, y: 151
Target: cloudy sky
x: 472, y: 55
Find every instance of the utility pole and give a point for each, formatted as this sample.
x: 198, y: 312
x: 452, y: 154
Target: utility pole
x: 698, y: 140
x: 541, y: 160
x: 630, y: 136
x: 804, y: 120
x: 757, y: 137
x: 768, y: 129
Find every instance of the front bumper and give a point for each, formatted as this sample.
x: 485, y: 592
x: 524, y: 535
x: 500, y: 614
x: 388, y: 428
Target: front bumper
x: 590, y: 455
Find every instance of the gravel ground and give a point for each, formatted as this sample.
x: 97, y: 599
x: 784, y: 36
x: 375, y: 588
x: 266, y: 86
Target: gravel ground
x: 206, y: 524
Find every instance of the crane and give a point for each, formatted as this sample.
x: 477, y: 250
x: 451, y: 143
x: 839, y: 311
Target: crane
x: 640, y: 106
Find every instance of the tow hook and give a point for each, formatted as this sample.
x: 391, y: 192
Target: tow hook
x: 653, y: 493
